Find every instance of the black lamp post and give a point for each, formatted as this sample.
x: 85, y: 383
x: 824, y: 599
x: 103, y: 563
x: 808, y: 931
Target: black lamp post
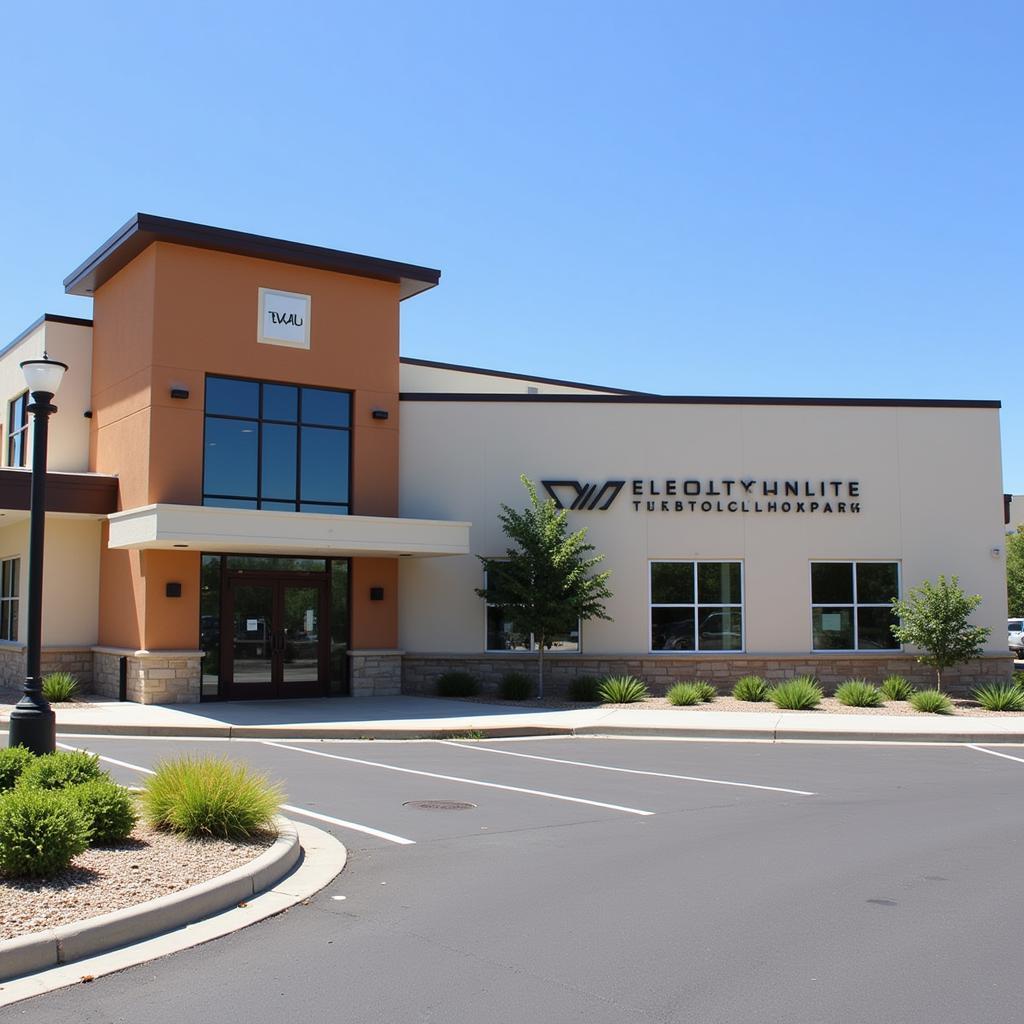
x: 33, y: 723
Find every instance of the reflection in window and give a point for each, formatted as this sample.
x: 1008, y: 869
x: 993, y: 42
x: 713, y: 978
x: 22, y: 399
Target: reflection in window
x: 277, y: 447
x: 696, y: 606
x: 17, y: 431
x: 851, y: 606
x: 504, y: 635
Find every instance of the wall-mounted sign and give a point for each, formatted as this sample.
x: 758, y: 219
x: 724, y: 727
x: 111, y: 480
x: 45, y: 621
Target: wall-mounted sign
x: 283, y: 318
x: 740, y: 494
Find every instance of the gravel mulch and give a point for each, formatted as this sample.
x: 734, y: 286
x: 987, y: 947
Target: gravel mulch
x: 149, y: 864
x: 961, y: 706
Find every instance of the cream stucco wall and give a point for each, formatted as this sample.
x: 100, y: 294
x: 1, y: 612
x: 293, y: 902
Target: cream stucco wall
x: 70, y: 576
x: 448, y: 380
x: 929, y: 482
x: 68, y: 448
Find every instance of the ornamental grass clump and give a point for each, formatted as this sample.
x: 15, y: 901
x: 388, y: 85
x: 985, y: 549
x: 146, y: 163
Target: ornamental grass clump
x: 897, y: 688
x: 59, y: 687
x: 1000, y: 697
x: 40, y: 831
x: 210, y: 797
x: 108, y: 808
x: 457, y: 684
x: 622, y: 690
x: 798, y: 694
x: 13, y: 761
x: 515, y: 686
x: 706, y: 690
x: 750, y: 688
x: 61, y: 770
x: 932, y: 701
x: 859, y: 693
x: 584, y: 689
x: 684, y: 695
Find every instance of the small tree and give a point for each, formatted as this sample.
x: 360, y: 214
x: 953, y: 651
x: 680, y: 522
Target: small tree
x: 545, y: 582
x: 934, y: 618
x: 1015, y: 572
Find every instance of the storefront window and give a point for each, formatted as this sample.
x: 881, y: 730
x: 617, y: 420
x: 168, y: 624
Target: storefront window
x: 277, y: 447
x: 10, y: 571
x: 504, y: 635
x: 850, y: 605
x: 696, y: 606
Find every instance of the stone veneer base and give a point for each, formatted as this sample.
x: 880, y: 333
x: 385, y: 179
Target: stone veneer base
x: 154, y: 677
x: 420, y: 671
x: 375, y: 673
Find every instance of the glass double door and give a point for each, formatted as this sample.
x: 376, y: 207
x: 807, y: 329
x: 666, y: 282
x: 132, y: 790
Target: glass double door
x: 279, y: 647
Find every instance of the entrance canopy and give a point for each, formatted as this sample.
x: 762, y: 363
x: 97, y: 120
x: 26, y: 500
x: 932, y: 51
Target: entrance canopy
x: 252, y: 531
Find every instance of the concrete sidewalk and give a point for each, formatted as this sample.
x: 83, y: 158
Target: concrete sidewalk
x: 430, y: 717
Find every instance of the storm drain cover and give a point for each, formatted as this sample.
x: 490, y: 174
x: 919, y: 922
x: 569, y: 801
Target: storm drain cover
x: 440, y: 805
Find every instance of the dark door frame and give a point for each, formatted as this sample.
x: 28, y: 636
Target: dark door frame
x: 278, y: 582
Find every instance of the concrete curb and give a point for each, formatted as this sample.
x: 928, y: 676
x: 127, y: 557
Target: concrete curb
x: 770, y: 732
x: 41, y: 950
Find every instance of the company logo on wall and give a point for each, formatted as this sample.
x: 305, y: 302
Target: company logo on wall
x: 283, y: 318
x: 798, y: 497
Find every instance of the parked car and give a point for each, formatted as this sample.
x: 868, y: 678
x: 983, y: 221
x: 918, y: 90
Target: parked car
x: 1015, y: 628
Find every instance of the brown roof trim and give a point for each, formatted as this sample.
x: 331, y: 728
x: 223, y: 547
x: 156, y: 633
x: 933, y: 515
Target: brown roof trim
x: 644, y: 399
x: 145, y: 228
x: 84, y: 493
x: 508, y: 375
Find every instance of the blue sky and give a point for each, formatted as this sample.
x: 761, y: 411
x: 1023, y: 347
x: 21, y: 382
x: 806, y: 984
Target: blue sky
x: 781, y: 198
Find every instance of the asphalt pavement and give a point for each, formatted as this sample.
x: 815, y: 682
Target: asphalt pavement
x: 612, y: 880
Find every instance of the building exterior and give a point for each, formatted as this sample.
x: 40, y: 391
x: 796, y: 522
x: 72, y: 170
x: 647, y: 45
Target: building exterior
x: 253, y: 495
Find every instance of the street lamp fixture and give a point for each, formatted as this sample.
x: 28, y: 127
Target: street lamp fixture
x: 33, y: 723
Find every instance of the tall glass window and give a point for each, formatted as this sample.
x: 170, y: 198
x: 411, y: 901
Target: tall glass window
x: 502, y: 634
x: 10, y: 571
x: 17, y: 430
x: 696, y: 606
x: 276, y: 446
x: 850, y: 605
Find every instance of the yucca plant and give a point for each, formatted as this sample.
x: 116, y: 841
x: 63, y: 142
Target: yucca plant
x: 1000, y: 697
x: 798, y: 694
x: 684, y: 694
x: 750, y: 688
x: 622, y: 690
x: 897, y: 688
x: 59, y: 687
x: 933, y: 701
x: 708, y: 692
x: 210, y: 797
x: 859, y: 693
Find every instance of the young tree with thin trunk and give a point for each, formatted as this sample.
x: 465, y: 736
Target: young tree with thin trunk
x: 545, y: 582
x: 935, y: 617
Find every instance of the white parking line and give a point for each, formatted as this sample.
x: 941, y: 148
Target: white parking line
x: 468, y: 782
x: 995, y: 753
x: 628, y: 771
x: 291, y: 808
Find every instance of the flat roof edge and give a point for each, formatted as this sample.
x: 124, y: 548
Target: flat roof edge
x: 46, y: 318
x: 144, y: 229
x: 509, y: 375
x: 646, y: 399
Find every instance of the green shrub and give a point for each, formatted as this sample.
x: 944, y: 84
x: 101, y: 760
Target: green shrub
x: 584, y: 689
x: 708, y: 692
x: 210, y: 797
x: 62, y: 769
x: 108, y: 808
x: 13, y: 761
x: 859, y: 693
x: 457, y: 684
x: 622, y: 690
x: 750, y: 688
x: 40, y: 831
x: 684, y: 694
x: 1000, y: 697
x: 515, y: 686
x: 933, y: 701
x: 59, y: 687
x: 797, y: 694
x: 897, y: 688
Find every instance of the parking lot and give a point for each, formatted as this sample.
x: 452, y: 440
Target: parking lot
x: 612, y: 879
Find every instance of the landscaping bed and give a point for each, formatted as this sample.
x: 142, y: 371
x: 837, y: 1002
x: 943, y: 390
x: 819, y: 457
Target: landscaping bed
x: 147, y: 865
